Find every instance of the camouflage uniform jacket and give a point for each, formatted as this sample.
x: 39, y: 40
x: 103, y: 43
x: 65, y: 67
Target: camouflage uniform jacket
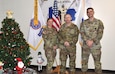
x: 92, y: 30
x: 69, y: 34
x: 49, y: 37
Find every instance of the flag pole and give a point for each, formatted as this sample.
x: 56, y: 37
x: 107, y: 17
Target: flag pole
x: 35, y: 12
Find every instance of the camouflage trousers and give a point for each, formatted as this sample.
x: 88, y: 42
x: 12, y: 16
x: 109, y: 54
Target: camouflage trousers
x: 96, y: 54
x: 50, y: 55
x: 64, y: 53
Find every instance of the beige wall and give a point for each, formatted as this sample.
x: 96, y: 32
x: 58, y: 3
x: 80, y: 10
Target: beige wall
x: 104, y: 10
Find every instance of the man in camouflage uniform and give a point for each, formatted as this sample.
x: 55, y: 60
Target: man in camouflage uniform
x: 68, y: 37
x: 91, y: 32
x: 50, y: 44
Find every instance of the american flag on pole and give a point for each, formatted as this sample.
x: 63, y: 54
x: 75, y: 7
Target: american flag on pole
x: 54, y: 14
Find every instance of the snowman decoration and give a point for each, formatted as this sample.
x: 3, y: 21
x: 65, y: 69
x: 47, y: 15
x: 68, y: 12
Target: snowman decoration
x: 40, y: 60
x: 20, y: 65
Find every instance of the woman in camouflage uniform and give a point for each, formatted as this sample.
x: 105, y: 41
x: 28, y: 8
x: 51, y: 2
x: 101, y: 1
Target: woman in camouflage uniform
x: 50, y: 44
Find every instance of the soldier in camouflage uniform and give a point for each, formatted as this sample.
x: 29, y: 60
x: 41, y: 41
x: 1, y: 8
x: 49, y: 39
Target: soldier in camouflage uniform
x: 91, y: 32
x: 68, y: 37
x: 50, y: 44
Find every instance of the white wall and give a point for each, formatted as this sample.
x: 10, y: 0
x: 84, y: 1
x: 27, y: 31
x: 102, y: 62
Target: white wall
x: 104, y: 10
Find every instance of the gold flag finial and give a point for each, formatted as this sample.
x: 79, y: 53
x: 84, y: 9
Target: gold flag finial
x: 35, y: 12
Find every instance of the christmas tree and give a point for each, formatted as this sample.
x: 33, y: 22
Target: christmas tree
x: 12, y: 43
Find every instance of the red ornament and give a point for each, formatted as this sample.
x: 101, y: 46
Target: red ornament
x: 15, y: 32
x: 29, y: 63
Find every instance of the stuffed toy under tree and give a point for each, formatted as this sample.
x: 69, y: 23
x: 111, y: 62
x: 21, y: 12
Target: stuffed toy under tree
x: 12, y: 43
